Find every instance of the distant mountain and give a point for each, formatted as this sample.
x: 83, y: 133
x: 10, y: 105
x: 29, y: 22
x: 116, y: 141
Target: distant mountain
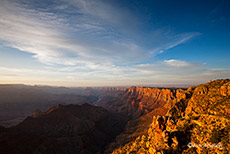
x: 66, y: 129
x: 18, y: 101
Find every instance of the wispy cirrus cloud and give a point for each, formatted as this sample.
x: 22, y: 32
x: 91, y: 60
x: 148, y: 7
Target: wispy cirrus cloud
x: 157, y: 74
x: 88, y: 40
x: 95, y: 33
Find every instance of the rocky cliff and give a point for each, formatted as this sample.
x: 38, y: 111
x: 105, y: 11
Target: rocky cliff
x: 145, y: 100
x: 197, y: 122
x: 141, y: 104
x: 138, y: 101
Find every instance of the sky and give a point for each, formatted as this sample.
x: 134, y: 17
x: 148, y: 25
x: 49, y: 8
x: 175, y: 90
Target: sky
x: 114, y: 42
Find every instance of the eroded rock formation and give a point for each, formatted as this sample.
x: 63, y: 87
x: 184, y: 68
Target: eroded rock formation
x: 198, y: 122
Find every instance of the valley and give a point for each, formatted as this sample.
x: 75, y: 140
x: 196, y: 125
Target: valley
x: 118, y: 120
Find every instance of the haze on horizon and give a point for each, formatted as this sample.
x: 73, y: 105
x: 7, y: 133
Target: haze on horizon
x: 114, y: 43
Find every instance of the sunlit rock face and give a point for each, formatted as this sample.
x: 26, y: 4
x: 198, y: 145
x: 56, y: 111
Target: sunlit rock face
x: 138, y: 101
x: 210, y: 98
x: 199, y: 117
x: 146, y: 99
x: 225, y: 89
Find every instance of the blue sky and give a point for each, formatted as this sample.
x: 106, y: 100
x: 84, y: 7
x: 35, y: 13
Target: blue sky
x: 114, y: 42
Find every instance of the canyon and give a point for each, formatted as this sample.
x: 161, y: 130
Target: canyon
x: 120, y: 120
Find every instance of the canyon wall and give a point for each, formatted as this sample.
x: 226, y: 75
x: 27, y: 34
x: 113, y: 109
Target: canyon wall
x: 198, y: 122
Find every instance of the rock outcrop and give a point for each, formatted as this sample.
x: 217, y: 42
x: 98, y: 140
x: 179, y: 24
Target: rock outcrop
x: 198, y: 122
x: 138, y: 101
x: 37, y: 113
x: 147, y: 99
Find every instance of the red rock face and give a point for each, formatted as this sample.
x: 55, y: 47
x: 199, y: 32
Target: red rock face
x: 137, y: 101
x: 225, y: 89
x: 199, y: 115
x: 147, y: 99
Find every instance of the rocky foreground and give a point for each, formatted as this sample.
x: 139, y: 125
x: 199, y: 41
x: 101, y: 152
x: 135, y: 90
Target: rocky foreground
x: 197, y: 122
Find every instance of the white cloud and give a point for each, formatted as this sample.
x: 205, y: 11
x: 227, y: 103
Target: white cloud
x: 176, y: 63
x: 158, y: 74
x: 95, y: 33
x: 98, y: 41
